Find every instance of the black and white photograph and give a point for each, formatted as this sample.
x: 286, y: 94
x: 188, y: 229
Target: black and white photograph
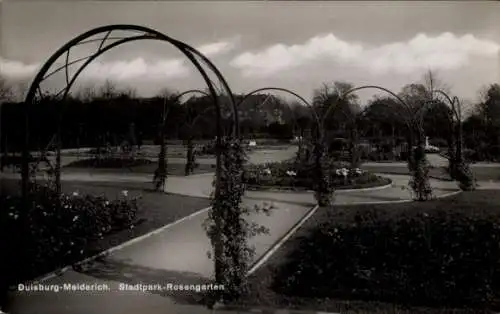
x: 292, y: 157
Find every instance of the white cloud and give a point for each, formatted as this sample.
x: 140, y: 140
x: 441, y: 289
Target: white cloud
x: 216, y: 48
x: 443, y: 52
x: 136, y: 68
x: 16, y: 69
x: 123, y: 70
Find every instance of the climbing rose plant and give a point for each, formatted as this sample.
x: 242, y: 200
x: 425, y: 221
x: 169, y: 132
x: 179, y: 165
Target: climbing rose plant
x: 459, y: 170
x: 227, y: 227
x: 323, y: 190
x: 190, y: 158
x: 160, y: 175
x: 419, y: 168
x: 465, y: 176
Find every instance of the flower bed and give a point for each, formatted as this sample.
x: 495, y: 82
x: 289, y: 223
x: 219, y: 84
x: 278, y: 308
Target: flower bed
x: 289, y: 175
x: 53, y: 231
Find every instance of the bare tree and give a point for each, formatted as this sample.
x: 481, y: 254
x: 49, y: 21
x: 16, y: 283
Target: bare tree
x: 6, y: 90
x: 160, y: 175
x: 87, y: 93
x: 108, y: 90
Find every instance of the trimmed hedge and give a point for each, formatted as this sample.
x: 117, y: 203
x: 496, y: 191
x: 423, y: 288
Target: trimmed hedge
x: 109, y: 162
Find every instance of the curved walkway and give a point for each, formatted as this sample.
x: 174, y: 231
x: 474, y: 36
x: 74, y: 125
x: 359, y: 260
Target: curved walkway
x: 201, y: 186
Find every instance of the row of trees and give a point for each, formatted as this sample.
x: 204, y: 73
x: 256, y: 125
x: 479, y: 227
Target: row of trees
x: 107, y: 115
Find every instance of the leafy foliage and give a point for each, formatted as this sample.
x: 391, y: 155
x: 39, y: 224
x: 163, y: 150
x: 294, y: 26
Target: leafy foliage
x: 419, y: 168
x: 465, y: 177
x: 323, y: 190
x: 442, y: 253
x: 52, y: 230
x: 109, y: 162
x: 190, y: 158
x: 292, y: 175
x: 160, y: 175
x: 226, y: 225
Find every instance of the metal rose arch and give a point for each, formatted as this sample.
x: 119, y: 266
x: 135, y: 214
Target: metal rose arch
x: 104, y: 36
x: 416, y: 157
x: 323, y: 191
x: 111, y: 36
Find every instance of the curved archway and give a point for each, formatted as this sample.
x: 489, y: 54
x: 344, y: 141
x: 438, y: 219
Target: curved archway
x: 194, y: 91
x: 200, y: 62
x: 455, y: 120
x: 136, y: 33
x: 323, y: 190
x: 161, y: 172
x: 399, y: 99
x: 280, y: 89
x: 408, y: 117
x: 416, y: 158
x: 190, y: 154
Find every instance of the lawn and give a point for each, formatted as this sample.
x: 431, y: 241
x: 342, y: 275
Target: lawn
x: 155, y: 211
x: 481, y: 173
x: 142, y: 166
x: 321, y: 267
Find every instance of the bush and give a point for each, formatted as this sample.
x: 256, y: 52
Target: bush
x: 465, y: 177
x: 438, y: 142
x: 208, y: 149
x: 483, y: 152
x: 110, y: 162
x: 54, y: 230
x: 423, y: 256
x: 419, y: 168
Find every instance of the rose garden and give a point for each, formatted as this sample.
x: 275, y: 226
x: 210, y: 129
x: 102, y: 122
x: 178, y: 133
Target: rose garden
x: 379, y: 223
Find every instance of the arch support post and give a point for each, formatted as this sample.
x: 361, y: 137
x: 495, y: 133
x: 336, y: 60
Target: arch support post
x: 458, y: 167
x: 417, y: 162
x: 322, y: 186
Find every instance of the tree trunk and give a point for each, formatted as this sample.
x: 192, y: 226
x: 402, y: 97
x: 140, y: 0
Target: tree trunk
x: 190, y: 158
x: 353, y: 148
x: 160, y: 175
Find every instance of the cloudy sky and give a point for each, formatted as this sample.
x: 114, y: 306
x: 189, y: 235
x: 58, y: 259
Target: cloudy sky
x: 296, y: 45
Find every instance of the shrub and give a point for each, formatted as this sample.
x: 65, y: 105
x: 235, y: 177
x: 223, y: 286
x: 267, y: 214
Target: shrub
x: 423, y: 256
x: 419, y: 168
x: 465, y: 177
x: 208, y: 149
x: 53, y: 230
x: 110, y: 162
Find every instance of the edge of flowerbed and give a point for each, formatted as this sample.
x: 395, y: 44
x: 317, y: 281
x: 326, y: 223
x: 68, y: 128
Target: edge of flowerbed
x: 289, y: 189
